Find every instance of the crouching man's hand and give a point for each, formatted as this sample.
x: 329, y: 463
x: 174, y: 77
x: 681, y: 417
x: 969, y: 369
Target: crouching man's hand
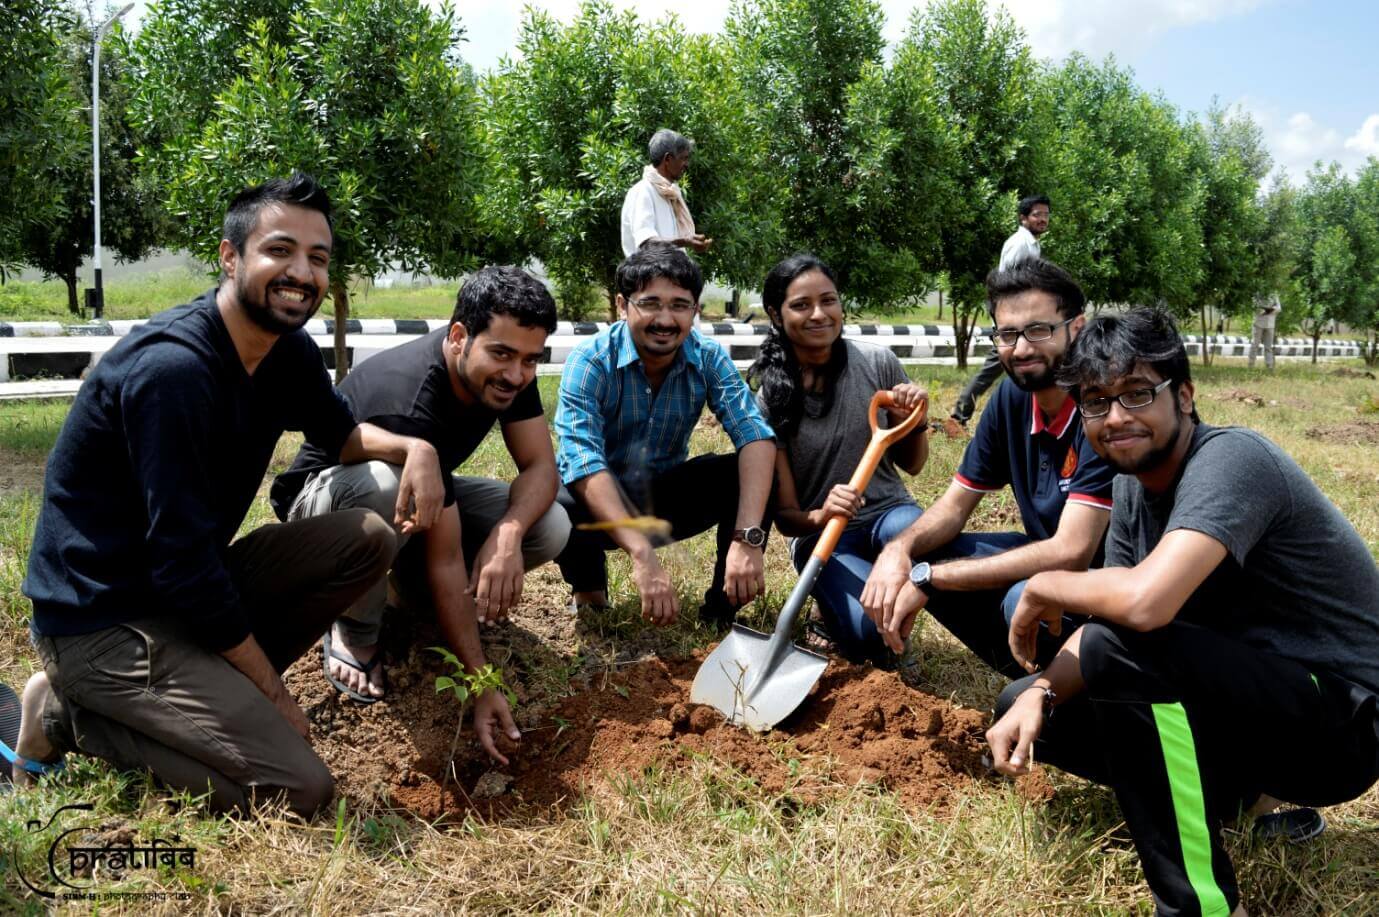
x: 491, y: 717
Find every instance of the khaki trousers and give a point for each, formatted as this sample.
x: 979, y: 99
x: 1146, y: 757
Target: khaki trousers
x: 144, y: 695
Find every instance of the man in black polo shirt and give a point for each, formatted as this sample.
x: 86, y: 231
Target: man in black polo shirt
x: 162, y: 642
x: 1231, y: 659
x: 1029, y: 438
x: 449, y: 388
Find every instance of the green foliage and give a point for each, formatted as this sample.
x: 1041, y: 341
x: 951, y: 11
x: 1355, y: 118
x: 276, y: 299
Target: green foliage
x: 1120, y: 170
x: 37, y: 119
x: 980, y: 71
x: 567, y: 126
x: 132, y: 220
x: 833, y: 131
x: 465, y: 685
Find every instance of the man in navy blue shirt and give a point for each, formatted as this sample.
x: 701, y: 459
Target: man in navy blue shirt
x: 162, y: 643
x: 1030, y: 439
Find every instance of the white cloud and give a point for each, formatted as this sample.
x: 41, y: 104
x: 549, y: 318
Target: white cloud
x: 1365, y: 141
x: 1298, y: 141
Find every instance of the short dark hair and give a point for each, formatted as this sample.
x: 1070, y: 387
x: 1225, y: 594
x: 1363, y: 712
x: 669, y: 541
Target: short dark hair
x: 300, y: 190
x: 1035, y: 274
x: 1111, y: 345
x: 667, y: 142
x: 504, y: 290
x: 1027, y: 204
x: 658, y: 259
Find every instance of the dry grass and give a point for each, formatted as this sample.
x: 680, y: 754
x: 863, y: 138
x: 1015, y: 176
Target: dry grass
x: 706, y: 839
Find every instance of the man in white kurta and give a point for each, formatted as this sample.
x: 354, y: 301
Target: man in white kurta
x: 654, y: 208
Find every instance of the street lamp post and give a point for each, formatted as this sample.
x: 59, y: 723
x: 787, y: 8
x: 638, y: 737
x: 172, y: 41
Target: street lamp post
x: 99, y: 299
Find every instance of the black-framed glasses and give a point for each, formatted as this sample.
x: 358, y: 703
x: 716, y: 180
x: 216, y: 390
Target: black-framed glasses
x: 1132, y: 400
x: 677, y: 307
x: 1034, y: 333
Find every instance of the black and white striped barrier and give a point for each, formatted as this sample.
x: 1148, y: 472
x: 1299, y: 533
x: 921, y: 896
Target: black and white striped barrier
x: 51, y: 350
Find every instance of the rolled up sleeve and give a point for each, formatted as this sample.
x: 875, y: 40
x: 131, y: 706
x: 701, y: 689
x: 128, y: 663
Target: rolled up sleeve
x: 579, y: 422
x: 731, y: 400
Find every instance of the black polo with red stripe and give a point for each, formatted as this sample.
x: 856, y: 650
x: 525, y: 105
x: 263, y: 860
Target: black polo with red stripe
x: 1046, y: 463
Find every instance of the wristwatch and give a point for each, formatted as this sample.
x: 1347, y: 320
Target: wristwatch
x: 1050, y: 698
x: 754, y: 536
x: 921, y: 575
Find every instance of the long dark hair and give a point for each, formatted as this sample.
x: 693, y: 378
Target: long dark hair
x: 776, y: 372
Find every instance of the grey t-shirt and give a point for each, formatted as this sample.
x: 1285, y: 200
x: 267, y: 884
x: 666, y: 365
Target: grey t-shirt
x: 825, y: 449
x: 1298, y: 580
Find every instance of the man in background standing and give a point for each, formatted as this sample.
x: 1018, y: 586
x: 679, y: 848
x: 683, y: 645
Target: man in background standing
x: 654, y: 208
x: 1266, y: 316
x: 1022, y: 244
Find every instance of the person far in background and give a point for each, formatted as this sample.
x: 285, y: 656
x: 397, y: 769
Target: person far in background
x: 814, y: 386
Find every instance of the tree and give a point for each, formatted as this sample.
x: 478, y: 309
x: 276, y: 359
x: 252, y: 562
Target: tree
x: 835, y: 133
x: 567, y: 125
x: 132, y: 221
x: 1366, y: 223
x: 1230, y: 161
x: 368, y: 95
x: 1126, y: 202
x: 1332, y: 281
x: 982, y: 75
x: 37, y: 119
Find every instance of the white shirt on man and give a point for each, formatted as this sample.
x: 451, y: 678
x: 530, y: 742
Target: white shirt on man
x: 646, y: 215
x: 1021, y: 245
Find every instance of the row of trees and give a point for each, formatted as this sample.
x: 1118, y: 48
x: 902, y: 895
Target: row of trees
x: 903, y: 174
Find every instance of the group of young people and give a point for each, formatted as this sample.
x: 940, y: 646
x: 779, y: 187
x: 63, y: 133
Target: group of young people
x: 1176, y: 594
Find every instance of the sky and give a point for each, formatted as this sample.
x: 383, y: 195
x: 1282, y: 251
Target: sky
x: 1307, y: 72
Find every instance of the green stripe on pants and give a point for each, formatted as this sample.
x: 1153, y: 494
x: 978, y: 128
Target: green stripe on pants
x: 1189, y: 808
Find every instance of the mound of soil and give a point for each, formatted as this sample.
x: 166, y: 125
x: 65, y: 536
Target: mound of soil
x: 1239, y: 394
x: 1346, y: 373
x: 1355, y: 433
x: 860, y: 726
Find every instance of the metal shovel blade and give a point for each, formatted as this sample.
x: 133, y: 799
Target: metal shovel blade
x: 732, y: 677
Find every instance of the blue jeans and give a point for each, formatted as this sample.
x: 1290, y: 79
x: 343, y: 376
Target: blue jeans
x: 838, y: 590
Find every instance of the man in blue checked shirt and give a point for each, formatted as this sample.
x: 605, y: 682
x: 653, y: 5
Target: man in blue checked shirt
x: 629, y: 400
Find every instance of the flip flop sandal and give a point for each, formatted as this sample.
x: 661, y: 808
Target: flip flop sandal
x: 817, y: 638
x: 328, y: 653
x: 1297, y: 826
x: 10, y: 713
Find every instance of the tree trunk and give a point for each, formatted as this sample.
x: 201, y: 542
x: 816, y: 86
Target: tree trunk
x: 1372, y: 347
x: 1316, y: 339
x: 1206, y: 340
x: 940, y: 304
x: 340, y: 295
x: 72, y: 305
x: 734, y: 302
x: 962, y: 334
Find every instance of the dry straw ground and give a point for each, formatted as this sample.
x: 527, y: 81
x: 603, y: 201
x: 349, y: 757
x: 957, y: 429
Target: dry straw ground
x: 704, y: 837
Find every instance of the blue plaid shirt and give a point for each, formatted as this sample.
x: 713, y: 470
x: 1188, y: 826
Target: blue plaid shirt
x: 608, y: 419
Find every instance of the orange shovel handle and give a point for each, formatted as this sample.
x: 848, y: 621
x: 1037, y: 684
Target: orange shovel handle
x: 881, y: 440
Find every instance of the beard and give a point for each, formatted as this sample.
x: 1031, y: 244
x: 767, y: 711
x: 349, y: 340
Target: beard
x: 1153, y: 458
x: 1037, y: 380
x: 493, y: 393
x: 255, y: 305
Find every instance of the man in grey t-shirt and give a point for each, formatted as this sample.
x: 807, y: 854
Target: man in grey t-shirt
x: 1233, y: 658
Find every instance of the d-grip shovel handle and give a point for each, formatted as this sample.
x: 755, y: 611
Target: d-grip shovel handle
x: 881, y: 440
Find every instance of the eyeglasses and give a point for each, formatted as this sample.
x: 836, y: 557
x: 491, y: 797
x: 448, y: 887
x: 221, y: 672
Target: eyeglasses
x: 1034, y: 333
x: 677, y: 307
x: 1131, y: 401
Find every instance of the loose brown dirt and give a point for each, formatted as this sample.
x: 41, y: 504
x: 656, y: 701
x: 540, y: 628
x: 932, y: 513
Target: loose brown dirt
x: 860, y: 726
x: 1354, y: 433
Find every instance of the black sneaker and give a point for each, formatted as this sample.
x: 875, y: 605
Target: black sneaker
x: 1296, y: 826
x: 717, y: 612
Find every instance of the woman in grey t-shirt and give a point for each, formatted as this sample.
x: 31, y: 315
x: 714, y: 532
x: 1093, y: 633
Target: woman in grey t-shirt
x: 814, y: 388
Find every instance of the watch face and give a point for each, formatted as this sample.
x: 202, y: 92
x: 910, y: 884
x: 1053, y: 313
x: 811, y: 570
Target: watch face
x: 754, y: 536
x: 920, y: 575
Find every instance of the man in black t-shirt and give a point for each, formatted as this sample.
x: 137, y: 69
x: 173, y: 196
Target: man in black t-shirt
x: 163, y: 643
x: 1232, y: 657
x: 448, y: 388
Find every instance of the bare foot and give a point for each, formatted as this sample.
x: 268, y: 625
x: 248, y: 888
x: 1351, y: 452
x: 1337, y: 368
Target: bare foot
x: 1264, y: 805
x: 32, y: 744
x: 370, y: 684
x: 591, y: 598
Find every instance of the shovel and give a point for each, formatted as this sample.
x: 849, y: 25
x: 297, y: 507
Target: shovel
x: 757, y: 680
